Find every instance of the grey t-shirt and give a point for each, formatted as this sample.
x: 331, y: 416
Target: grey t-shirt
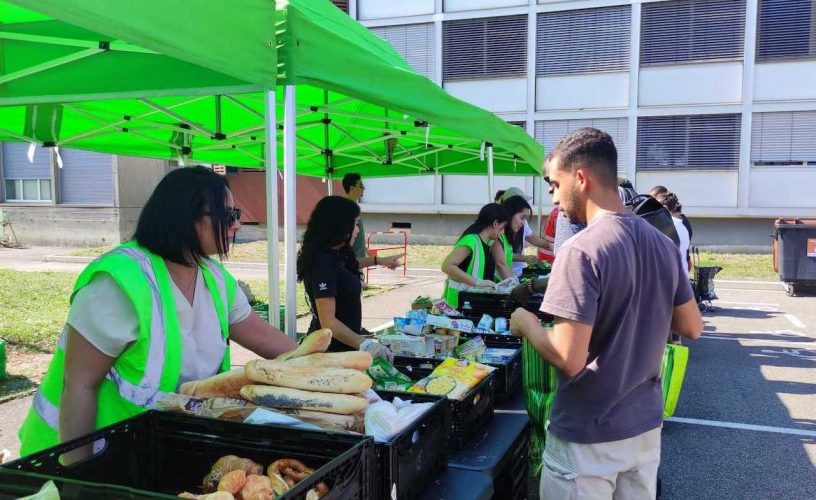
x: 358, y: 245
x: 623, y: 277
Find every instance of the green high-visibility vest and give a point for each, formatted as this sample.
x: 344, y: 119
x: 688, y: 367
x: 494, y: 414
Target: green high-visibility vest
x: 508, y: 255
x: 151, y: 366
x: 475, y: 268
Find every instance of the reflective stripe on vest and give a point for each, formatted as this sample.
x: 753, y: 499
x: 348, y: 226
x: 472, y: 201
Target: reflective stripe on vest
x: 46, y: 410
x: 147, y: 391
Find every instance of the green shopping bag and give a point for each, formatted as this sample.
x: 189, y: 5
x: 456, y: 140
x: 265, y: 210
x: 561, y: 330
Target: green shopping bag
x: 539, y: 382
x: 672, y: 372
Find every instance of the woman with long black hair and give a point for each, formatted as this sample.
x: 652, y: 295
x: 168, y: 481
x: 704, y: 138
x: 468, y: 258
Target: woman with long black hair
x: 508, y: 248
x: 471, y: 263
x: 330, y: 273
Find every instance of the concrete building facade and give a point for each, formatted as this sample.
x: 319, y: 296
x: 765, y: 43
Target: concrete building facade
x: 714, y: 99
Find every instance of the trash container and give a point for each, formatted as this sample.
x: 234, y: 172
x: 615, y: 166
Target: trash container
x: 2, y: 359
x: 794, y: 254
x: 263, y: 311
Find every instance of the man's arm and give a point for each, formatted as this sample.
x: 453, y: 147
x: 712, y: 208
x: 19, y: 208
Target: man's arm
x: 687, y: 321
x: 565, y: 346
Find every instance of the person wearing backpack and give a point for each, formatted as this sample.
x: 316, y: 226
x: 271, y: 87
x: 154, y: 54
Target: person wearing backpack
x: 614, y: 288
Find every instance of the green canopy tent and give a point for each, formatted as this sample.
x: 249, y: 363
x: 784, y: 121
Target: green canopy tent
x: 197, y: 80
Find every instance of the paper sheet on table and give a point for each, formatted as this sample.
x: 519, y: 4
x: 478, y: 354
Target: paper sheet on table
x: 263, y: 416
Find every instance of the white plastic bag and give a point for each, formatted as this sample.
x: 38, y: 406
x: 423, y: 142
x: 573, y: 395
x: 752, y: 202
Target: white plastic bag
x: 385, y: 419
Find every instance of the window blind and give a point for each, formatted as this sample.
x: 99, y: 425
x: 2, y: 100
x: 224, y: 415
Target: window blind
x: 485, y: 48
x: 416, y: 43
x: 696, y: 142
x: 784, y: 138
x: 692, y: 30
x: 550, y: 131
x: 583, y: 41
x: 786, y: 29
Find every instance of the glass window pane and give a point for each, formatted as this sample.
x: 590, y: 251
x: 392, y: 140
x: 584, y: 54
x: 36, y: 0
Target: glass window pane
x: 11, y: 190
x: 31, y: 190
x: 45, y: 189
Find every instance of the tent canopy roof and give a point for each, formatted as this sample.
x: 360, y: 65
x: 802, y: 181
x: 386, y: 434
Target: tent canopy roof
x: 187, y: 79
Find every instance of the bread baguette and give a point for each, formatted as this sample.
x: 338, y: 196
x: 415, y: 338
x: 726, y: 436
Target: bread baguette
x: 317, y: 341
x: 223, y: 385
x: 334, y: 380
x: 328, y: 421
x: 356, y: 360
x: 295, y: 399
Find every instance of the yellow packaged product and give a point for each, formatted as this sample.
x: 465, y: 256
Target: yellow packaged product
x: 453, y: 378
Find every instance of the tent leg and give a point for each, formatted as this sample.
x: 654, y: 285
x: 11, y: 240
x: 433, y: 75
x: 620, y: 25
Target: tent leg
x: 272, y: 248
x: 490, y: 191
x: 540, y: 202
x: 290, y: 208
x: 330, y: 182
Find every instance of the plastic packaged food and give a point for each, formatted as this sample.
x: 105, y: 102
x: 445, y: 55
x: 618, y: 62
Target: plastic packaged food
x: 453, y: 378
x: 471, y: 350
x: 386, y: 377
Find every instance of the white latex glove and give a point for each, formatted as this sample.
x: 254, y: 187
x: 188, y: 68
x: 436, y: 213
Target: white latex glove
x: 485, y: 284
x: 376, y: 349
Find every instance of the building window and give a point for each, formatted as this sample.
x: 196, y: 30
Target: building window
x: 485, y: 48
x: 688, y: 142
x: 416, y: 43
x: 686, y: 31
x: 341, y: 4
x: 786, y: 30
x: 28, y: 189
x: 547, y: 133
x: 583, y: 41
x: 783, y: 139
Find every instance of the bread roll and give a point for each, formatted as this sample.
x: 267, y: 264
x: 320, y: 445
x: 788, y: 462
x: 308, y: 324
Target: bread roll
x: 355, y: 360
x: 317, y: 341
x: 334, y: 380
x: 223, y: 385
x: 296, y: 399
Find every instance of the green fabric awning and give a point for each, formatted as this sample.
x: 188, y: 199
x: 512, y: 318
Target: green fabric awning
x: 186, y: 80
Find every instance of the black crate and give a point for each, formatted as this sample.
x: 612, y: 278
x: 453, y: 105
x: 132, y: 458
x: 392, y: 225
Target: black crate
x: 466, y: 416
x: 412, y: 460
x: 499, y: 305
x: 500, y: 452
x: 159, y: 455
x: 508, y: 375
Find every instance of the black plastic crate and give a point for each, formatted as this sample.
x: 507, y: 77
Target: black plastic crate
x: 411, y: 461
x: 508, y: 375
x: 499, y: 305
x: 159, y: 455
x: 500, y: 452
x: 466, y: 416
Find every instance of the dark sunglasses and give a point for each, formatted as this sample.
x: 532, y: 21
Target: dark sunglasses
x: 233, y: 215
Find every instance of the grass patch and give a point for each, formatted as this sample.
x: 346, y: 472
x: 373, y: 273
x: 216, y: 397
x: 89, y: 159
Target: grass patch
x: 740, y: 265
x: 91, y: 252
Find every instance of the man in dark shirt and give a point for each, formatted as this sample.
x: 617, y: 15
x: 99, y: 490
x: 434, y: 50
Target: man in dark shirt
x: 615, y: 289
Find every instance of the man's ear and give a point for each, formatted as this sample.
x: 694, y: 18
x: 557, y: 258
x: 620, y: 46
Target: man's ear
x: 582, y: 180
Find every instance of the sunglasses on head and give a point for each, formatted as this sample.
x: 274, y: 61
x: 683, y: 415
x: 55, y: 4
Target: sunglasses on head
x: 233, y: 215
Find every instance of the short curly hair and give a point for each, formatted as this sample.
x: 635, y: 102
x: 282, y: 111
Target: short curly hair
x: 670, y: 201
x: 591, y: 148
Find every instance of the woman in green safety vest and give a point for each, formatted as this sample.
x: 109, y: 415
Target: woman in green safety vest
x: 470, y: 263
x: 509, y: 246
x: 150, y: 315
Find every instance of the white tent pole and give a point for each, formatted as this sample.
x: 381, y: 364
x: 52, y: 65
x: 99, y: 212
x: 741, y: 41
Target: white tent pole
x: 271, y: 164
x: 330, y: 182
x: 490, y: 191
x: 290, y: 208
x: 540, y: 201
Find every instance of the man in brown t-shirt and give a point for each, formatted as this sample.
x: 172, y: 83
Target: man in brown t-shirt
x: 616, y: 288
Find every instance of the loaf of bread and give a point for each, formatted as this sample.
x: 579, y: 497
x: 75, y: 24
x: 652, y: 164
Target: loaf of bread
x: 296, y: 399
x: 334, y: 380
x: 317, y: 341
x: 355, y: 360
x: 223, y: 385
x: 328, y: 421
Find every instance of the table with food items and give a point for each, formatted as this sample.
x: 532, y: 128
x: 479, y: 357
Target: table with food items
x: 316, y: 424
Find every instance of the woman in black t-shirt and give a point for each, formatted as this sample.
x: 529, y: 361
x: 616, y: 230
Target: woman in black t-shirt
x: 331, y: 275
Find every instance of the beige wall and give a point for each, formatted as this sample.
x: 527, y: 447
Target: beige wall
x: 136, y: 180
x: 63, y: 226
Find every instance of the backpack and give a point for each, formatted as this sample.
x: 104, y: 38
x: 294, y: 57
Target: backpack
x: 655, y: 214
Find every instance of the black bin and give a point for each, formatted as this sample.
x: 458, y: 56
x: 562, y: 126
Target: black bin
x: 414, y: 457
x: 466, y: 416
x: 795, y: 253
x: 159, y: 455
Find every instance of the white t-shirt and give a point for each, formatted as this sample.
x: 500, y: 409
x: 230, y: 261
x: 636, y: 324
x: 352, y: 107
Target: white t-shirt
x: 685, y: 241
x: 518, y: 267
x: 105, y: 317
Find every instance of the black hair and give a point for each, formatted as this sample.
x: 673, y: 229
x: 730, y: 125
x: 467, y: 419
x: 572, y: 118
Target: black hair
x: 670, y: 201
x: 590, y: 148
x: 658, y: 190
x: 490, y: 213
x: 498, y: 196
x: 350, y: 180
x: 514, y: 205
x: 166, y: 225
x: 625, y: 183
x: 331, y: 224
